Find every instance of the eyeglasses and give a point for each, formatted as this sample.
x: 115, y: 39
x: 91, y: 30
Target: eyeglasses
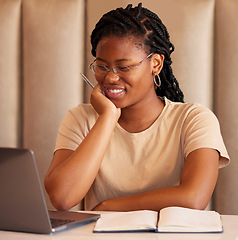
x: 120, y: 70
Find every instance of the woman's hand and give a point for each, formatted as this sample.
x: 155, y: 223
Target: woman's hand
x: 103, y: 105
x: 74, y: 170
x: 117, y: 204
x: 108, y: 205
x: 99, y: 207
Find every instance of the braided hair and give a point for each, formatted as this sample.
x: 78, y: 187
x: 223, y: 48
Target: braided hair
x: 147, y: 26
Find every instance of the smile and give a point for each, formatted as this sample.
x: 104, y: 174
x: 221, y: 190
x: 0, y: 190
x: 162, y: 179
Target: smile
x: 116, y: 90
x: 114, y: 93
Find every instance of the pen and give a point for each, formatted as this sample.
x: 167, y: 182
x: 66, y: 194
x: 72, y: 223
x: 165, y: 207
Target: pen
x: 87, y: 81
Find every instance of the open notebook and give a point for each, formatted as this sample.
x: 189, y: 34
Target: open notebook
x: 171, y: 219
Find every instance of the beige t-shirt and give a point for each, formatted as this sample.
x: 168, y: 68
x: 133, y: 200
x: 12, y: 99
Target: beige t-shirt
x: 148, y: 160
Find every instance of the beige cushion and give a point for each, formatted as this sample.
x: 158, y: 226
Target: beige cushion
x: 42, y: 52
x: 53, y: 59
x: 226, y: 92
x: 10, y: 73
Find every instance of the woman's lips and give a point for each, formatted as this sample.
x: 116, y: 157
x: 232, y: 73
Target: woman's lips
x: 114, y: 92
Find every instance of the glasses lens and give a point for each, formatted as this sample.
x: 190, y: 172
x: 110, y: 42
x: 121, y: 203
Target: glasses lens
x: 99, y: 69
x: 121, y: 71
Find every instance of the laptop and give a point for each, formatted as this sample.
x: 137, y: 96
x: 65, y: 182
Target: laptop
x: 22, y: 203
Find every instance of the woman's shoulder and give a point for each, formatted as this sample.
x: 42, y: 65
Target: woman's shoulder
x: 187, y: 107
x: 189, y: 112
x: 83, y: 108
x: 82, y: 112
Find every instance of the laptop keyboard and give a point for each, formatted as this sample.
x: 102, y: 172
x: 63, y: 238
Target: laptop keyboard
x: 59, y: 222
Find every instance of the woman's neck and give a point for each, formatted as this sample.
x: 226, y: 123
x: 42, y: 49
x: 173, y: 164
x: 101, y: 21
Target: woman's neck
x: 138, y: 118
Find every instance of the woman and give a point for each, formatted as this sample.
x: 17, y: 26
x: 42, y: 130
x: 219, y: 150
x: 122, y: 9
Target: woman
x: 137, y: 145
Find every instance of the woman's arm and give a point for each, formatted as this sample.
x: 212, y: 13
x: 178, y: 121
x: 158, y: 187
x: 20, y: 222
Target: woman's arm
x: 197, y: 183
x: 72, y: 173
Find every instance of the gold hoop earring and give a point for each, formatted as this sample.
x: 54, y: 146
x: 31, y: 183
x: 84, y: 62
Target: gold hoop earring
x: 157, y: 84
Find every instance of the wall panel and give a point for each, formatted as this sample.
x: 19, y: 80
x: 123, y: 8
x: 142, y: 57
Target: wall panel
x: 53, y: 58
x: 226, y: 92
x: 42, y: 52
x: 10, y: 73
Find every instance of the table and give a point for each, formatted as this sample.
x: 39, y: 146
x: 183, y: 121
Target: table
x: 230, y: 224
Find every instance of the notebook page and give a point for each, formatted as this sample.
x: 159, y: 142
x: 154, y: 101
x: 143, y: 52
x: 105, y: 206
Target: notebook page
x: 127, y: 221
x: 184, y: 219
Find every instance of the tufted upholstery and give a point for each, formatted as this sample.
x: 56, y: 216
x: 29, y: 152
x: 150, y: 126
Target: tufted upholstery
x: 41, y: 57
x: 43, y: 48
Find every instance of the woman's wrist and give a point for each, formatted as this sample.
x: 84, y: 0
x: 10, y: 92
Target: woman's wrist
x: 111, y: 116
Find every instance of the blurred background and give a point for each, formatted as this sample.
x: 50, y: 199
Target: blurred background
x: 45, y: 45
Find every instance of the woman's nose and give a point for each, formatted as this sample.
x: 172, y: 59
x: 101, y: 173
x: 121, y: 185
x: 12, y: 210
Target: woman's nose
x: 112, y: 76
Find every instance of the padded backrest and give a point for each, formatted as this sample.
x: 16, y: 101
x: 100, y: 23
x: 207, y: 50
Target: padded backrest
x: 41, y: 57
x: 225, y: 94
x: 45, y: 44
x: 10, y: 73
x: 53, y: 58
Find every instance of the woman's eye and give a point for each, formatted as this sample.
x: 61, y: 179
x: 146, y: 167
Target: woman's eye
x: 101, y: 67
x: 123, y: 68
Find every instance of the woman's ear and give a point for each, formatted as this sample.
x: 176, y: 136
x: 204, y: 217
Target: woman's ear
x: 157, y: 62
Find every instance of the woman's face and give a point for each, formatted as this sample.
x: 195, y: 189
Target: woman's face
x: 137, y: 87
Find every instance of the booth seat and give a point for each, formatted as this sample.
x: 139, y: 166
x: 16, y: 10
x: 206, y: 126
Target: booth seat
x: 45, y: 44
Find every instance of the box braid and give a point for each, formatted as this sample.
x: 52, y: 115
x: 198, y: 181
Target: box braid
x: 143, y: 24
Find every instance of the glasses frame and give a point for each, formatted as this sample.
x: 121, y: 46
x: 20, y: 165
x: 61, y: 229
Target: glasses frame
x: 114, y: 68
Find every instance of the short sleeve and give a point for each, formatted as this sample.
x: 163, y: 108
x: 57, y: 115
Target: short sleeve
x: 202, y: 130
x: 74, y: 127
